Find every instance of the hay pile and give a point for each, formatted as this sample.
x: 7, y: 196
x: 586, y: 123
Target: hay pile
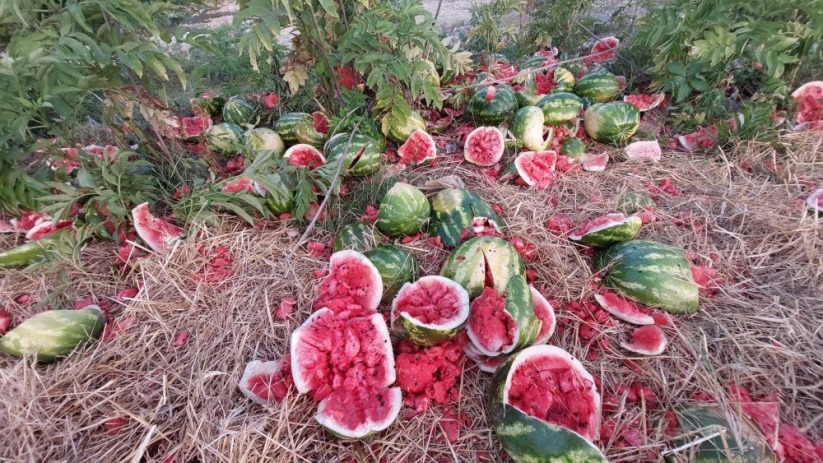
x: 762, y: 330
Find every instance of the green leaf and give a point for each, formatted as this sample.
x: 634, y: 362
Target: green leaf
x: 677, y: 69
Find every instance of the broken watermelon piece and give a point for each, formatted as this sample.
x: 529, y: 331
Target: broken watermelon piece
x: 536, y: 168
x: 544, y: 312
x: 157, y: 233
x: 815, y: 201
x: 267, y: 383
x: 353, y: 285
x: 647, y: 340
x: 484, y: 146
x: 701, y: 139
x: 594, y: 162
x: 303, y: 155
x: 418, y: 148
x: 624, y: 309
x: 607, y: 229
x: 429, y: 311
x: 643, y: 151
x: 644, y: 102
x: 430, y: 374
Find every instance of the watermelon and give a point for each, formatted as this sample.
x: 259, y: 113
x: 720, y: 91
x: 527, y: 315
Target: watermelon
x: 536, y: 168
x: 266, y: 383
x: 815, y: 201
x: 527, y: 126
x: 600, y: 86
x: 651, y: 273
x: 643, y: 151
x: 262, y: 140
x: 418, y: 148
x: 395, y: 266
x: 631, y: 202
x: 483, y: 259
x: 809, y: 99
x: 280, y: 199
x: 302, y: 155
x: 404, y: 210
x: 207, y: 106
x: 544, y: 312
x: 324, y: 364
x: 606, y: 230
x: 53, y: 334
x: 238, y: 110
x: 357, y: 236
x: 31, y: 252
x: 225, y: 138
x: 560, y: 107
x: 492, y: 105
x: 286, y: 125
x: 604, y: 49
x: 503, y: 322
x: 703, y: 138
x: 312, y: 132
x: 644, y: 102
x: 353, y: 285
x: 573, y: 147
x: 192, y: 128
x: 594, y: 162
x: 563, y: 81
x: 646, y: 340
x: 484, y: 146
x: 362, y: 158
x: 400, y: 132
x: 429, y: 311
x: 614, y: 122
x: 710, y: 436
x: 544, y: 407
x: 455, y: 209
x: 484, y: 362
x: 623, y: 309
x: 156, y: 232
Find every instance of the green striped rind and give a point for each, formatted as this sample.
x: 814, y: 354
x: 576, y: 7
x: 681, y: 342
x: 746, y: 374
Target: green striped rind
x: 560, y: 107
x: 226, y: 138
x: 51, y: 335
x: 527, y: 99
x: 306, y: 133
x: 404, y: 210
x: 211, y: 106
x: 369, y: 160
x: 529, y: 440
x: 631, y: 202
x: 500, y: 109
x: 287, y: 124
x: 573, y: 147
x: 651, y: 273
x: 599, y: 86
x: 280, y: 199
x: 617, y: 233
x: 399, y: 133
x: 737, y: 444
x: 422, y: 334
x: 467, y: 264
x: 563, y: 81
x: 396, y: 267
x: 454, y: 209
x: 357, y: 236
x: 238, y: 110
x: 533, y: 62
x: 31, y: 252
x: 520, y: 305
x: 613, y: 122
x: 261, y: 140
x: 527, y: 126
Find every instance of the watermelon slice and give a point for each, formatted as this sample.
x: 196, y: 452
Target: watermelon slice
x: 418, y: 148
x: 192, y: 128
x: 624, y: 309
x: 303, y: 155
x: 353, y: 286
x: 484, y: 146
x: 607, y: 229
x: 46, y: 227
x: 266, y: 383
x: 644, y: 151
x: 156, y: 232
x: 647, y: 340
x: 703, y: 138
x: 815, y: 201
x: 604, y: 48
x: 544, y: 312
x: 809, y: 97
x: 484, y: 362
x: 536, y: 168
x: 429, y: 311
x: 645, y: 102
x: 594, y: 162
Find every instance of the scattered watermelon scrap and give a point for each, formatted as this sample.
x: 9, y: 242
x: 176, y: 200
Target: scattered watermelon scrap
x: 647, y: 340
x: 594, y: 162
x: 643, y: 151
x: 418, y: 148
x: 645, y: 102
x: 624, y: 309
x: 157, y: 233
x: 536, y: 168
x: 352, y: 287
x: 430, y: 375
x: 267, y: 383
x: 701, y: 139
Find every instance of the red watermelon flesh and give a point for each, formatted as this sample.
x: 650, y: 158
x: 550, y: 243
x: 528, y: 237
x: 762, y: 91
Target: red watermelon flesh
x: 491, y: 329
x: 566, y: 164
x: 484, y: 362
x: 361, y: 408
x: 302, y: 155
x: 418, y: 148
x: 46, y: 227
x: 603, y: 50
x: 430, y: 374
x: 624, y: 309
x: 594, y: 162
x: 432, y: 300
x: 193, y: 127
x: 5, y: 321
x: 703, y: 138
x: 550, y: 389
x: 352, y: 287
x: 647, y: 340
x: 809, y: 97
x: 544, y: 312
x: 156, y: 232
x: 644, y: 151
x: 597, y: 224
x: 484, y: 146
x: 536, y: 168
x: 267, y: 382
x: 491, y: 92
x: 320, y: 122
x: 243, y: 184
x: 644, y: 102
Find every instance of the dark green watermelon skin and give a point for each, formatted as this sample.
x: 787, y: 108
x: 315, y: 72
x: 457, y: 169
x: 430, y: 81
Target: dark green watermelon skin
x: 500, y: 109
x: 453, y: 210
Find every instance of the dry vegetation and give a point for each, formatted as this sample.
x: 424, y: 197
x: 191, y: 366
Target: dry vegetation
x: 762, y: 330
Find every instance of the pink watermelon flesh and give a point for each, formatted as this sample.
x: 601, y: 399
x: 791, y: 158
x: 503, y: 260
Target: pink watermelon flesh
x: 597, y: 224
x: 243, y: 185
x: 809, y: 97
x: 193, y: 127
x: 157, y: 233
x: 484, y: 146
x: 484, y: 362
x: 624, y: 309
x: 604, y: 49
x: 621, y: 82
x: 490, y: 327
x: 491, y: 92
x: 419, y: 147
x: 815, y: 200
x: 361, y: 410
x: 647, y: 340
x: 644, y: 102
x: 431, y: 301
x: 594, y: 162
x: 267, y: 382
x: 703, y: 138
x: 544, y: 312
x: 353, y: 286
x: 550, y: 389
x: 320, y: 122
x: 302, y: 155
x: 536, y: 168
x: 46, y: 228
x: 644, y: 151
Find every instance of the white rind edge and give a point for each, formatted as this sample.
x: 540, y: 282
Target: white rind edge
x: 459, y: 319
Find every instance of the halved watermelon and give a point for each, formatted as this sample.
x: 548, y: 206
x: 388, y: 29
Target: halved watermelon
x: 429, y: 311
x: 604, y: 49
x: 624, y: 309
x: 644, y: 102
x: 607, y: 229
x: 815, y: 201
x: 303, y: 155
x: 353, y: 285
x: 595, y: 162
x: 484, y: 146
x: 267, y: 382
x: 643, y: 151
x: 418, y: 148
x: 156, y: 232
x: 703, y: 138
x: 809, y: 97
x: 647, y: 340
x: 536, y: 168
x: 544, y: 312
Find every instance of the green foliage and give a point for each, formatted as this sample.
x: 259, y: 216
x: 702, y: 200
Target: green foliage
x: 560, y: 24
x: 489, y: 32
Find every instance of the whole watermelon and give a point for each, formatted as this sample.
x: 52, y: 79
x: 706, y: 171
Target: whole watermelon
x: 600, y: 86
x: 238, y: 110
x: 287, y: 125
x: 613, y: 122
x: 492, y: 105
x: 404, y: 210
x: 363, y: 155
x: 396, y: 267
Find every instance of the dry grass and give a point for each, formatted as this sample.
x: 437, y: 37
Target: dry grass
x: 762, y: 330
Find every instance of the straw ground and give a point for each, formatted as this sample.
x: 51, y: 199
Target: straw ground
x: 762, y: 330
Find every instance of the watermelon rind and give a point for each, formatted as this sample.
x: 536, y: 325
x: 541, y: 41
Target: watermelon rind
x: 573, y: 147
x: 404, y: 210
x: 637, y: 349
x: 396, y: 267
x: 520, y: 307
x: 54, y: 334
x: 500, y: 109
x: 613, y: 122
x: 600, y: 86
x: 712, y: 434
x: 302, y: 146
x: 527, y: 126
x: 526, y: 160
x: 497, y: 151
x: 454, y: 209
x: 362, y: 158
x: 33, y: 251
x: 645, y: 150
x: 400, y: 132
x: 286, y: 125
x: 631, y: 202
x: 158, y: 234
x: 527, y: 439
x: 238, y: 110
x: 651, y: 273
x: 634, y: 319
x: 620, y: 229
x: 538, y: 298
x: 305, y: 132
x: 225, y: 138
x: 467, y: 265
x: 429, y: 334
x: 560, y: 107
x: 356, y: 236
x: 658, y: 98
x: 815, y: 84
x: 483, y: 362
x: 563, y: 81
x: 262, y: 140
x: 329, y: 421
x: 258, y: 367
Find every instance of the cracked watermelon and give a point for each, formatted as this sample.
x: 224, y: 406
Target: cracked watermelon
x: 537, y: 168
x: 560, y: 107
x: 352, y: 287
x: 651, y: 273
x: 156, y: 232
x: 492, y: 105
x: 527, y: 126
x: 286, y: 125
x: 608, y: 229
x: 563, y: 81
x: 484, y: 146
x: 455, y: 209
x: 613, y: 122
x: 631, y: 202
x: 482, y: 260
x: 404, y: 210
x: 53, y: 334
x: 429, y: 311
x: 711, y: 437
x: 503, y: 322
x: 545, y: 408
x: 644, y: 102
x: 418, y: 148
x: 363, y: 155
x: 302, y: 155
x: 400, y: 132
x: 266, y: 383
x: 313, y: 132
x: 396, y: 267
